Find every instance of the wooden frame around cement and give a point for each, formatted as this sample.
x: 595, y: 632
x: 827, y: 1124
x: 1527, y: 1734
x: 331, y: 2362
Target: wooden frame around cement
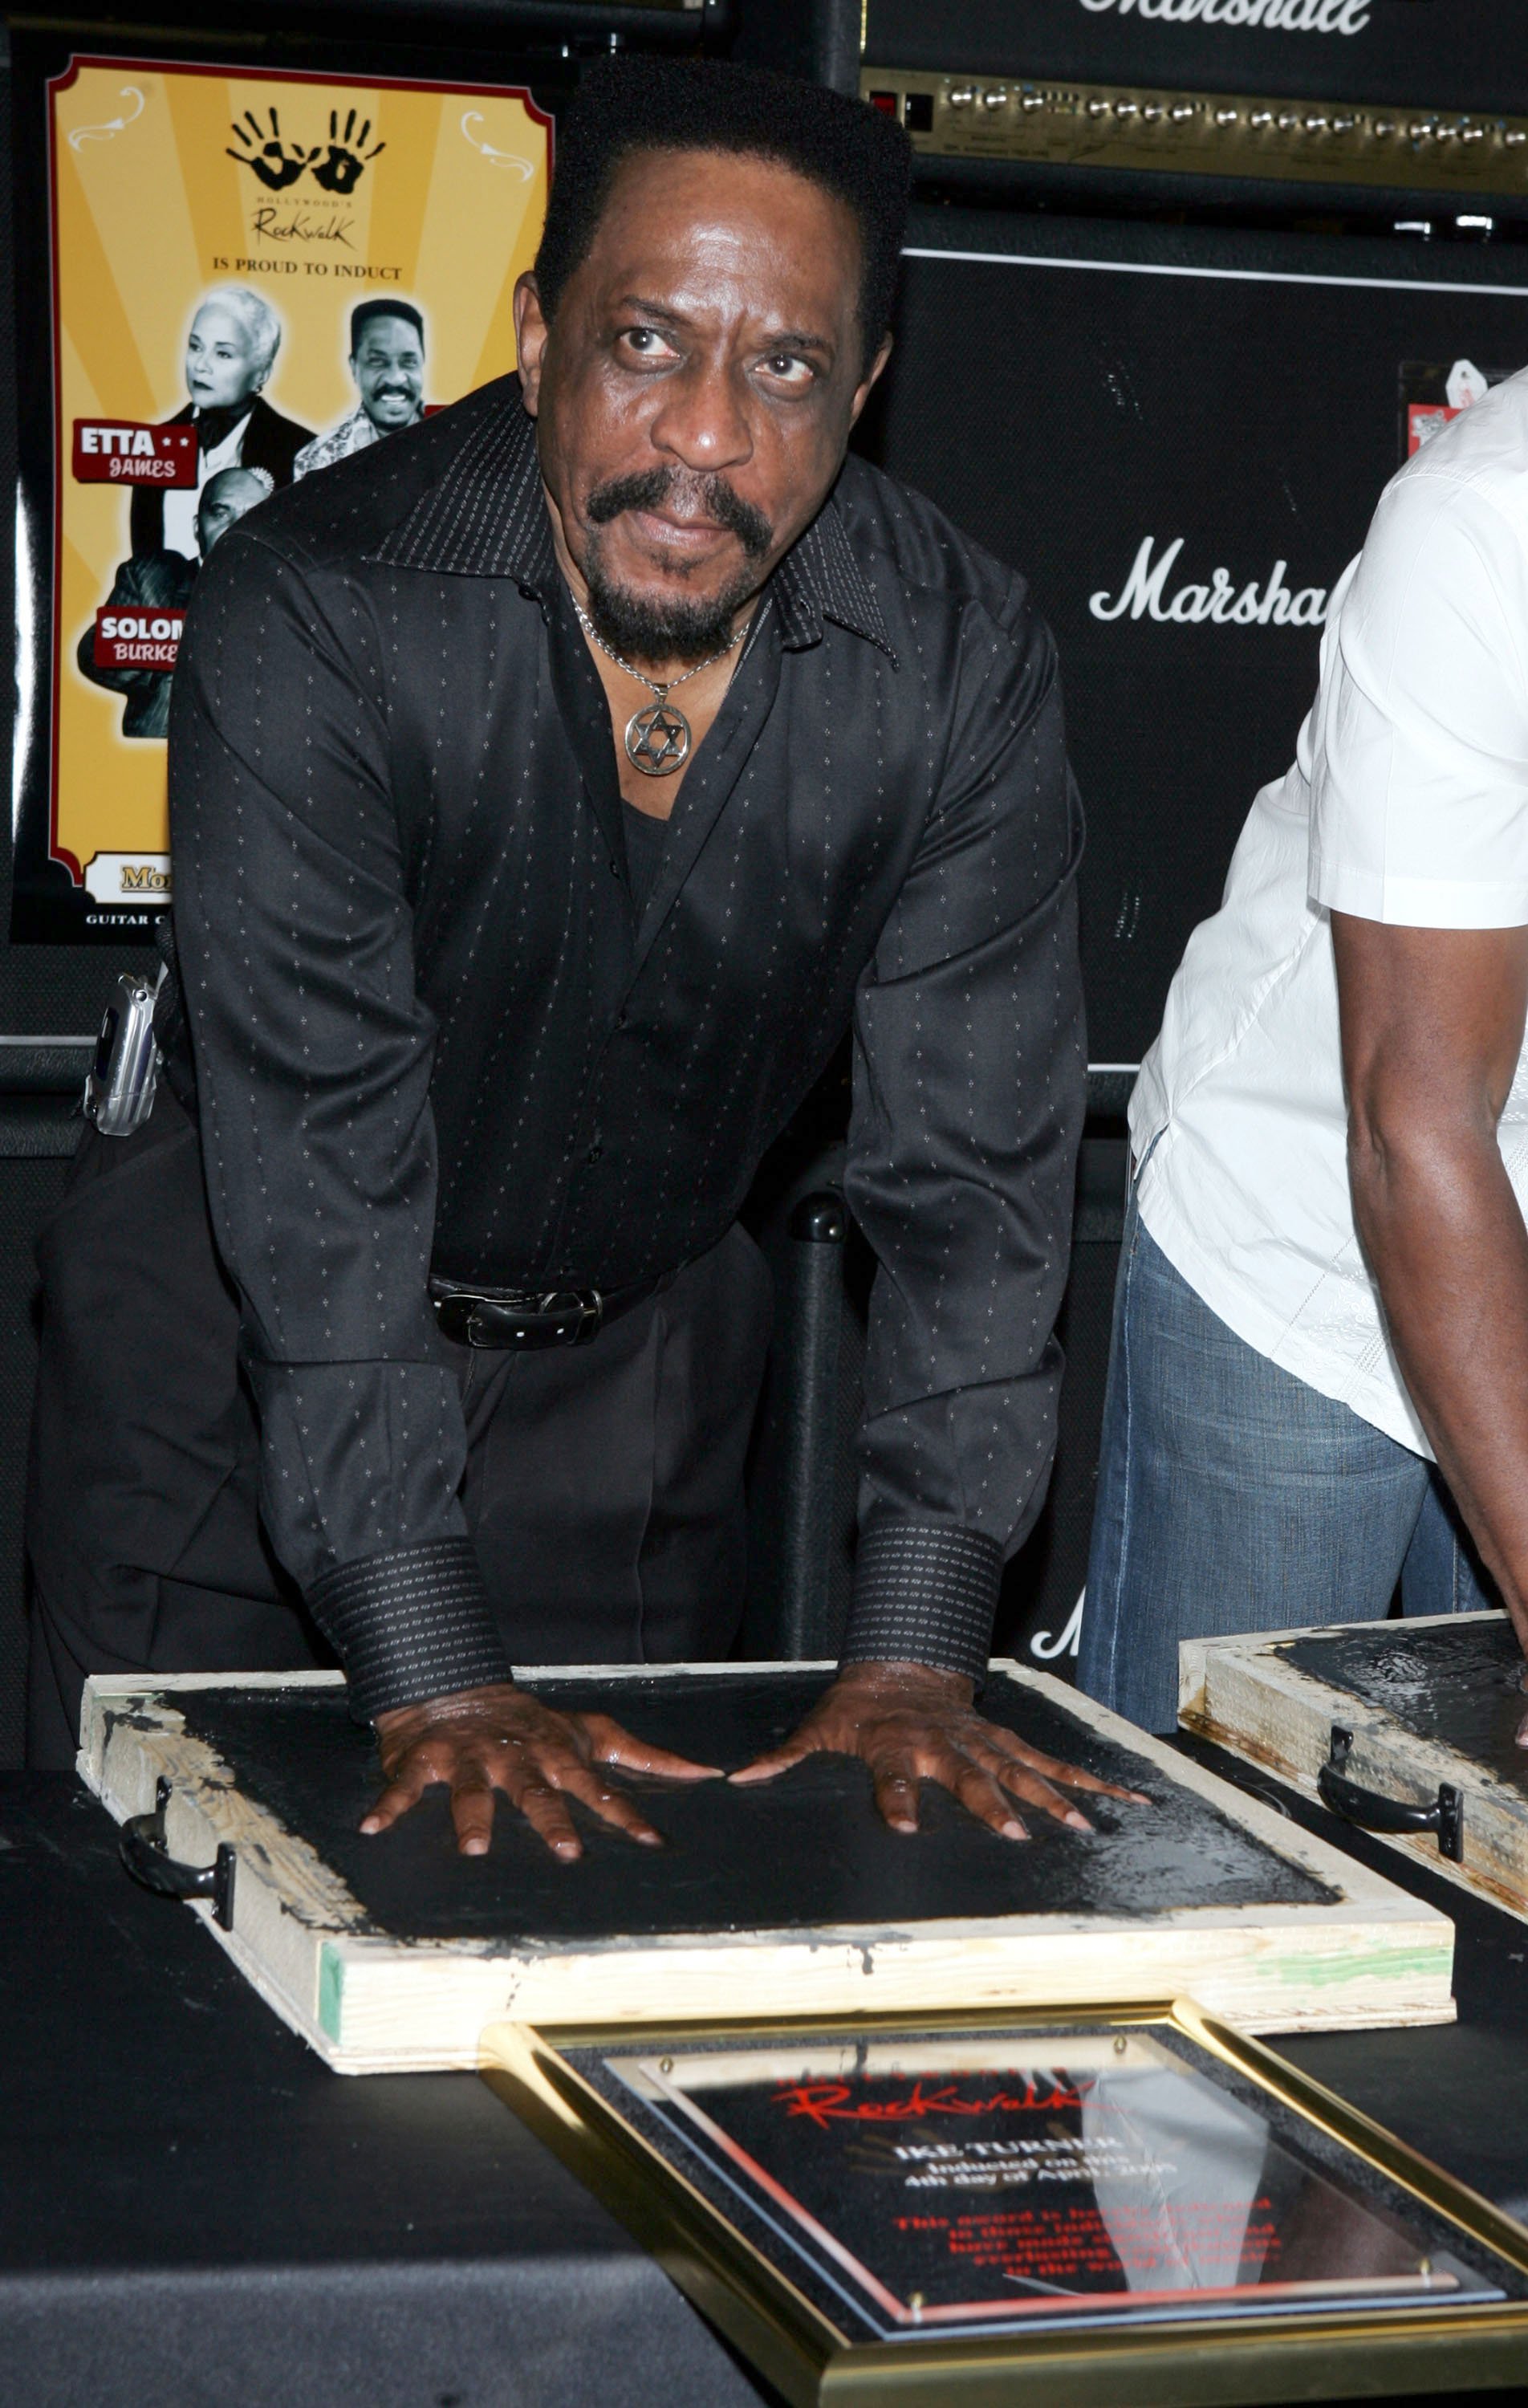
x: 1242, y: 1694
x: 371, y: 2003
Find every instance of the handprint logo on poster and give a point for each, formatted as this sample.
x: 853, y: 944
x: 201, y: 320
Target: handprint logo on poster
x: 348, y: 158
x: 270, y: 156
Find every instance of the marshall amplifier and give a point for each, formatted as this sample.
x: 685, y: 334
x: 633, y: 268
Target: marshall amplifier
x: 1179, y: 436
x: 1374, y: 98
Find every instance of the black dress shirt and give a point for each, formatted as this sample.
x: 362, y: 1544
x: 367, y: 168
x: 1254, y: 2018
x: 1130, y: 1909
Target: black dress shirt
x: 431, y: 1028
x: 644, y: 853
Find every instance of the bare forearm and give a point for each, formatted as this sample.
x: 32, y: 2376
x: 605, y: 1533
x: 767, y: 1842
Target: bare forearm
x: 1446, y: 1239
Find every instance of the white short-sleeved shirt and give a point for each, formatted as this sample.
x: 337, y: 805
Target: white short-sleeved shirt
x: 1407, y: 803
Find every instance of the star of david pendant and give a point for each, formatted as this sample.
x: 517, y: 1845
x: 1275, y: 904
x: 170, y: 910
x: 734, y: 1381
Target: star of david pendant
x: 657, y: 739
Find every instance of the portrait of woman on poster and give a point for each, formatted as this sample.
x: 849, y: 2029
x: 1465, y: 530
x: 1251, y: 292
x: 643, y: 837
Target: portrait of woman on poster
x: 230, y: 354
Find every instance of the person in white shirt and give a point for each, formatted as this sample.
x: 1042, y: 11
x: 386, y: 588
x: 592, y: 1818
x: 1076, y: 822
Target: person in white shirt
x: 1321, y: 1336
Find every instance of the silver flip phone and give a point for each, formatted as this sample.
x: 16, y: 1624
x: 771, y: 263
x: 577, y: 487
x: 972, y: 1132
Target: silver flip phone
x: 124, y: 1069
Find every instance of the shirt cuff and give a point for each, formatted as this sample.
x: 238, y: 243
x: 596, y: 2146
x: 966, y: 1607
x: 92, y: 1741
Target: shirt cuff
x: 1368, y: 892
x: 924, y: 1594
x: 408, y: 1625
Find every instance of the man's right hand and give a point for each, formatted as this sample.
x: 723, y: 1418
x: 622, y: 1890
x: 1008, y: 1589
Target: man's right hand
x: 500, y: 1738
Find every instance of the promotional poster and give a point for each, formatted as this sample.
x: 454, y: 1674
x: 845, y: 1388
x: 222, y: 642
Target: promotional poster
x: 249, y: 276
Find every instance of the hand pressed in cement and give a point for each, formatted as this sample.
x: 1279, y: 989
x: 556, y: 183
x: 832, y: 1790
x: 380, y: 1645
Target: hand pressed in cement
x: 911, y: 1724
x: 502, y: 1739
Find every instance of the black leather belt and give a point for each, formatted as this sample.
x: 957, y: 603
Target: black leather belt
x: 524, y: 1320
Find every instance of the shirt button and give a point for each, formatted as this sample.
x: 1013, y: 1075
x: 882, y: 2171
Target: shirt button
x: 621, y: 1019
x: 594, y: 1152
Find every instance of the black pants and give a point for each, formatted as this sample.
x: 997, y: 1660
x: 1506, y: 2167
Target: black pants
x: 604, y: 1488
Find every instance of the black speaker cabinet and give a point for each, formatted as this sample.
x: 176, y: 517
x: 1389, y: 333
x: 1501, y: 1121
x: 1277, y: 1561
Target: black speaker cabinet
x: 1361, y: 99
x: 1470, y: 55
x: 38, y: 1130
x: 1179, y: 436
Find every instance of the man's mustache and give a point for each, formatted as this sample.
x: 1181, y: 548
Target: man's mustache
x: 715, y: 497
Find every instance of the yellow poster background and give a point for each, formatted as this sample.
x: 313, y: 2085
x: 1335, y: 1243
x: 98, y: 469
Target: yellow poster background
x: 151, y: 212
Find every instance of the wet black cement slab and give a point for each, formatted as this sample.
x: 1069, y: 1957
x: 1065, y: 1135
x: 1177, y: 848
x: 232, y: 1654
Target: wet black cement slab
x: 806, y: 1850
x: 1458, y: 1684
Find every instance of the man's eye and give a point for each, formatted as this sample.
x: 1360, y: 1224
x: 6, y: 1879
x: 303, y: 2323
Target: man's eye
x: 786, y: 367
x: 646, y: 342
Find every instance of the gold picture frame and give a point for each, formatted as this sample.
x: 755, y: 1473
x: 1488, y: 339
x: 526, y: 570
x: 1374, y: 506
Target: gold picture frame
x: 772, y: 2306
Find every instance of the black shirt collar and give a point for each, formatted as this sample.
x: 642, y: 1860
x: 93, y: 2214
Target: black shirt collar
x: 486, y: 516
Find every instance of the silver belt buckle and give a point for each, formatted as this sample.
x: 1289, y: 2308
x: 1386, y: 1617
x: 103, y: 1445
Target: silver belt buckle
x: 589, y: 1304
x: 577, y: 1314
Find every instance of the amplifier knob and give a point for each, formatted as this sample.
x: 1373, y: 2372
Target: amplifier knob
x: 1472, y: 133
x: 1383, y: 125
x: 1316, y: 124
x: 962, y: 96
x: 1343, y: 124
x: 1225, y: 117
x: 1126, y: 109
x: 1446, y: 133
x: 1032, y: 100
x: 1420, y: 128
x: 1181, y: 111
x: 1098, y: 109
x: 1261, y: 117
x: 1289, y: 121
x: 996, y: 97
x: 1515, y: 138
x: 1152, y: 112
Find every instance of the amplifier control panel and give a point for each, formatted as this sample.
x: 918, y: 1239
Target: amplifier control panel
x: 1045, y: 124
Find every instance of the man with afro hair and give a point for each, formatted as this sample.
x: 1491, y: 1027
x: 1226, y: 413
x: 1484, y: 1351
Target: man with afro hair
x: 552, y: 786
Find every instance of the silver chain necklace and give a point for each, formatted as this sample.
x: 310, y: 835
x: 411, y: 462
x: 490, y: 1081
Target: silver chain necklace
x: 658, y: 737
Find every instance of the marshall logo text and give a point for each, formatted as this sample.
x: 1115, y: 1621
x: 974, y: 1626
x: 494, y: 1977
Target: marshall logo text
x: 1144, y: 595
x: 1273, y: 16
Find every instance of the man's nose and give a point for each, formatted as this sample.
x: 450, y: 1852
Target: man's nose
x: 703, y: 418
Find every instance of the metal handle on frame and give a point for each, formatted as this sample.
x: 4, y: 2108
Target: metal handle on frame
x: 1372, y: 1813
x: 144, y: 1853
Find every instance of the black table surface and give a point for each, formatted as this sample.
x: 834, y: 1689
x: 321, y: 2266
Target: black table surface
x: 195, y: 2212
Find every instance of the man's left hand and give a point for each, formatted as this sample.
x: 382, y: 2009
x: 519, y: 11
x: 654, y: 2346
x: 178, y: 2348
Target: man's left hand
x: 911, y: 1724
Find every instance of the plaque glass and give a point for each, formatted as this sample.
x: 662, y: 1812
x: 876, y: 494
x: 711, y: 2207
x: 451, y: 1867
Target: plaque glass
x: 963, y: 2194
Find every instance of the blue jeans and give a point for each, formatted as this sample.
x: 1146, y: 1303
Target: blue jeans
x: 1231, y: 1497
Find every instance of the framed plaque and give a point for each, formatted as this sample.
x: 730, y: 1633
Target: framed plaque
x: 1128, y: 2205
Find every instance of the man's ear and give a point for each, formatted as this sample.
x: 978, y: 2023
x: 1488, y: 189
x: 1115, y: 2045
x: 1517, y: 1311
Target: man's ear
x: 532, y: 334
x: 864, y: 391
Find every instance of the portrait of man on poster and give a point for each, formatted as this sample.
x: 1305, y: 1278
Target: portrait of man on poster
x: 163, y: 580
x: 387, y: 362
